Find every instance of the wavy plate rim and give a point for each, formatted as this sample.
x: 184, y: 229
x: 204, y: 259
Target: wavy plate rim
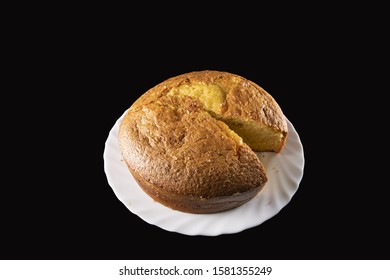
x: 284, y: 171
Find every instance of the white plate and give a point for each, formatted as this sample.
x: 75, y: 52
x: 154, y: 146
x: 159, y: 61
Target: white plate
x: 284, y: 171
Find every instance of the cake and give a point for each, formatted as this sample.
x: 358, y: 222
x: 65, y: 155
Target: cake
x: 191, y: 140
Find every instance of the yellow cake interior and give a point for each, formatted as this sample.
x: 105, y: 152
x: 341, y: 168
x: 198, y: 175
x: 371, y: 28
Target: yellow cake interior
x: 258, y: 137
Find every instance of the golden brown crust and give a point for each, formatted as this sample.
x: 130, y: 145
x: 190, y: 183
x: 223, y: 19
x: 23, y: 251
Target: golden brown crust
x: 195, y: 204
x: 184, y: 156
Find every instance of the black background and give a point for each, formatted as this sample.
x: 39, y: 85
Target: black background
x: 79, y: 79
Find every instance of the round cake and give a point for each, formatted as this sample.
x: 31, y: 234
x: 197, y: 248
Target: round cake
x: 191, y: 141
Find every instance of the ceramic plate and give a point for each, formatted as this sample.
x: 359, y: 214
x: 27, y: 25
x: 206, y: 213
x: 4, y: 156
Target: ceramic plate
x: 284, y: 171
